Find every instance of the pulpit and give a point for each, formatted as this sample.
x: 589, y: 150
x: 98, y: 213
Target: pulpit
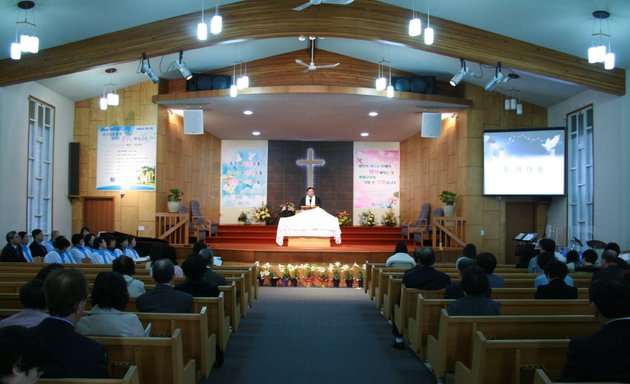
x: 312, y: 228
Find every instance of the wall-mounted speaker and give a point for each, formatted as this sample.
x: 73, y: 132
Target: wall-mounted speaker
x: 205, y: 82
x: 418, y: 84
x: 431, y: 124
x: 193, y: 122
x: 73, y: 168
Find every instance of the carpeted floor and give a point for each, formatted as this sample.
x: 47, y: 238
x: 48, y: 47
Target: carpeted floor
x: 316, y: 335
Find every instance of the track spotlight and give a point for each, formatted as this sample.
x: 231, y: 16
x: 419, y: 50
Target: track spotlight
x: 459, y: 76
x: 145, y: 67
x: 186, y: 74
x: 498, y: 76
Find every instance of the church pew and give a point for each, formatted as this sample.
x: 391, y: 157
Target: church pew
x: 250, y: 278
x: 380, y: 282
x: 453, y: 342
x: 540, y: 377
x: 368, y: 279
x: 160, y: 360
x: 232, y: 306
x: 506, y: 293
x: 405, y: 309
x: 391, y: 296
x: 130, y: 377
x: 426, y: 320
x: 510, y: 360
x: 197, y: 344
x: 243, y: 291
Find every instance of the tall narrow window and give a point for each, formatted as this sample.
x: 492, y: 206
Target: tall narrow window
x: 40, y: 165
x: 580, y: 188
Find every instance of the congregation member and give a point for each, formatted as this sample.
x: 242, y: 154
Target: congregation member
x: 69, y: 354
x: 589, y: 262
x: 603, y: 355
x: 127, y: 268
x: 400, y: 258
x: 546, y: 245
x: 610, y: 268
x: 107, y: 317
x: 543, y: 259
x: 78, y: 250
x: 488, y: 262
x: 209, y: 275
x: 198, y: 246
x: 21, y: 356
x: 12, y: 252
x: 163, y: 298
x: 556, y: 271
x: 37, y: 245
x: 422, y: 276
x: 50, y: 243
x: 455, y: 291
x: 26, y: 251
x: 47, y: 270
x: 88, y: 240
x: 194, y: 268
x: 60, y: 253
x: 34, y: 304
x: 111, y: 251
x: 573, y: 260
x: 130, y: 248
x: 98, y: 254
x: 85, y: 231
x: 169, y: 252
x: 474, y: 303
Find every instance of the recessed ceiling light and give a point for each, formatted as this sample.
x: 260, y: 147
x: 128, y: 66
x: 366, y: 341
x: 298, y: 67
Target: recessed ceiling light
x: 247, y: 112
x: 373, y: 114
x: 256, y: 133
x: 364, y: 134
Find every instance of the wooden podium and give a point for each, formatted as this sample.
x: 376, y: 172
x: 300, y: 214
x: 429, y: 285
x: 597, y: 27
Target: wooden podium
x: 308, y: 242
x: 307, y: 207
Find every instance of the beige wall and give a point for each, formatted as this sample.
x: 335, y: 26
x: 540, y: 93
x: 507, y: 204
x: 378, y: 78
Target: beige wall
x: 188, y: 162
x: 454, y: 162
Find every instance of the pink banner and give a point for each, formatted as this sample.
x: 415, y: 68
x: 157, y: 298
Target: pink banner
x: 376, y: 178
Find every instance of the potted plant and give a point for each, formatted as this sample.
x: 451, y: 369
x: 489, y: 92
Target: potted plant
x: 174, y: 197
x: 336, y: 274
x: 294, y: 274
x: 448, y: 199
x: 349, y: 277
x: 273, y: 279
x: 261, y: 277
x: 389, y: 219
x: 242, y: 218
x: 323, y: 277
x: 286, y: 276
x: 360, y: 278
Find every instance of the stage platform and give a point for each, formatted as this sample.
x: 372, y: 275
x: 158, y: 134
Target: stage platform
x: 250, y: 243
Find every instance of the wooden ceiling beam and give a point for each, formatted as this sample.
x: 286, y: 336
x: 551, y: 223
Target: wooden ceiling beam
x: 364, y: 20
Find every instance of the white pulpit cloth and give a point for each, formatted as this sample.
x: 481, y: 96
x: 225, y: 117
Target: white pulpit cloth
x: 312, y: 223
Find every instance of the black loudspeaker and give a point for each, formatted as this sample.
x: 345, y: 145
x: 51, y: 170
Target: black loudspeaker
x: 204, y: 82
x: 73, y: 169
x: 418, y: 84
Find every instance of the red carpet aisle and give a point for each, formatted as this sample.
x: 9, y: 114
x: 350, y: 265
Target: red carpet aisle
x: 325, y: 335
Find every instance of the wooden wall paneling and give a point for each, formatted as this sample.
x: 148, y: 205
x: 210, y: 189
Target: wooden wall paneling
x: 364, y: 20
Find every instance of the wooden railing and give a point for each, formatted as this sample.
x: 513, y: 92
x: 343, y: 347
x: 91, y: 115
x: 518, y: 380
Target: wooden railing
x: 173, y: 227
x: 449, y: 232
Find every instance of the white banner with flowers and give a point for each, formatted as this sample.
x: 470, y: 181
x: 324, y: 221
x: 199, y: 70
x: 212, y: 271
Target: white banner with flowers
x: 376, y: 183
x: 243, y: 179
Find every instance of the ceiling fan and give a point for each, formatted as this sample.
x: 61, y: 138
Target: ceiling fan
x: 312, y: 66
x: 318, y: 2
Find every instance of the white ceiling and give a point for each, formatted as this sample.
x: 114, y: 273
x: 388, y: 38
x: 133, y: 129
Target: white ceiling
x: 563, y: 25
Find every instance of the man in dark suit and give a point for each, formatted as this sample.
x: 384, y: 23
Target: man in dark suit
x: 209, y: 275
x: 610, y: 268
x: 589, y: 258
x: 603, y: 355
x: 474, y: 282
x: 163, y: 298
x: 310, y: 199
x: 12, y: 252
x: 422, y: 276
x: 556, y: 289
x: 70, y: 354
x: 194, y: 268
x: 37, y: 245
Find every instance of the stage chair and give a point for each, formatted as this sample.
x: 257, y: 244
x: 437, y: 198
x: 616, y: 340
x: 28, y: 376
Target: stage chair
x: 200, y: 225
x: 419, y: 237
x: 420, y: 224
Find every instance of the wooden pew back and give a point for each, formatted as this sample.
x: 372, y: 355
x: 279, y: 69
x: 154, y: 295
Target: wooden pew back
x: 130, y: 377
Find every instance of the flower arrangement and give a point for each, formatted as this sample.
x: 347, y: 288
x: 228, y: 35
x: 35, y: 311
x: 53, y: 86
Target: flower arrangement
x: 389, y: 218
x: 344, y: 218
x: 286, y: 274
x: 368, y: 218
x: 347, y: 273
x: 335, y: 271
x: 311, y: 274
x: 261, y: 214
x: 287, y: 209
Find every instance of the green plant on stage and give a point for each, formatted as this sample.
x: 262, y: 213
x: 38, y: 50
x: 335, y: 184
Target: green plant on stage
x: 242, y: 218
x: 389, y: 218
x: 175, y: 194
x: 335, y: 271
x: 448, y: 197
x: 286, y: 274
x: 347, y: 272
x: 368, y: 218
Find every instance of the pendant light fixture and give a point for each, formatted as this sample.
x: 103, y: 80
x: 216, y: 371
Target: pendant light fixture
x: 202, y: 28
x: 597, y: 51
x: 216, y: 23
x: 415, y: 24
x: 390, y: 88
x: 429, y: 33
x: 28, y: 42
x: 233, y: 87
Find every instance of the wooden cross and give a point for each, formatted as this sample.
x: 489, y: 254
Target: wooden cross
x: 310, y: 162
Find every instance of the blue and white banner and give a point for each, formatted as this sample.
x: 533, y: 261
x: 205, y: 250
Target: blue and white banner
x: 126, y: 158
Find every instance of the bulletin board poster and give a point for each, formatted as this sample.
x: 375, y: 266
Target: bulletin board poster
x: 243, y: 173
x: 126, y: 157
x: 376, y: 177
